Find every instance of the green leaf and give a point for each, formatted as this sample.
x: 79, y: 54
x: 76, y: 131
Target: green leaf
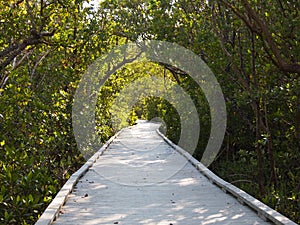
x: 2, y: 143
x: 30, y: 197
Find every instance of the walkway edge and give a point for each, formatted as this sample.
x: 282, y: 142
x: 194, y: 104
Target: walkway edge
x: 263, y: 211
x: 52, y: 211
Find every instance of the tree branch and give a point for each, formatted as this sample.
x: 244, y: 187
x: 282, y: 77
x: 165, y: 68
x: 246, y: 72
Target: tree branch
x: 31, y: 15
x: 284, y: 66
x: 37, y: 63
x: 17, y: 64
x: 240, y: 15
x: 243, y: 82
x: 14, y: 52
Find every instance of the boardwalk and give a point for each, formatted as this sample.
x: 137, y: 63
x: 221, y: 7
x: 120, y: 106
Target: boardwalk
x: 141, y: 179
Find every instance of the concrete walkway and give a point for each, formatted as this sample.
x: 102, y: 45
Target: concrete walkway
x: 140, y: 179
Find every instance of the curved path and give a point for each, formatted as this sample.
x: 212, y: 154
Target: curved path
x: 142, y: 179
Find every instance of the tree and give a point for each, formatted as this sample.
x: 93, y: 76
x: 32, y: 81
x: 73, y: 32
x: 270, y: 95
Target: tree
x: 46, y: 46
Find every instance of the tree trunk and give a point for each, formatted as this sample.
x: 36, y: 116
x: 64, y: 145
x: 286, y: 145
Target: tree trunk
x: 260, y: 178
x: 270, y: 151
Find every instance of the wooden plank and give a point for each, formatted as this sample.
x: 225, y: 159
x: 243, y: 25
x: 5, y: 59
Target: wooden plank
x: 54, y: 207
x: 264, y: 211
x: 140, y: 179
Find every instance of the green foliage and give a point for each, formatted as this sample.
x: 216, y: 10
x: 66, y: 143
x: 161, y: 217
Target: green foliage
x: 38, y: 150
x: 46, y: 47
x: 36, y: 158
